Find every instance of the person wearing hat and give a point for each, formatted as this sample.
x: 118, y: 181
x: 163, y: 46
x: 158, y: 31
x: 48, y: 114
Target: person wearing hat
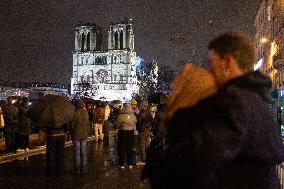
x: 133, y: 103
x: 144, y: 130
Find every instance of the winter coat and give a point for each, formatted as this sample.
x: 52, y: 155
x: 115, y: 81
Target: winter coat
x: 114, y: 114
x: 91, y: 113
x: 229, y: 140
x: 144, y: 121
x: 24, y: 125
x: 99, y: 115
x: 11, y: 117
x: 80, y: 124
x: 159, y: 128
x: 126, y: 120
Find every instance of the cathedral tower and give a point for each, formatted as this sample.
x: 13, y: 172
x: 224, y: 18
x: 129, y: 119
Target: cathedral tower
x: 121, y: 36
x: 88, y: 38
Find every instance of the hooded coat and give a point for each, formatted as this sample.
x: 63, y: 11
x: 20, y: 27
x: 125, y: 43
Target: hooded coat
x: 11, y: 117
x: 99, y: 115
x: 126, y: 120
x: 24, y: 125
x: 144, y: 121
x: 80, y: 122
x: 229, y: 140
x: 159, y: 128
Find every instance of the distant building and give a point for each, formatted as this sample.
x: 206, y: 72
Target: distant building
x: 39, y: 91
x: 109, y: 74
x: 269, y: 23
x: 31, y: 90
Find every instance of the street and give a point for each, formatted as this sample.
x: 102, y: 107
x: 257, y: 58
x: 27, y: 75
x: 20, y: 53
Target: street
x: 103, y: 171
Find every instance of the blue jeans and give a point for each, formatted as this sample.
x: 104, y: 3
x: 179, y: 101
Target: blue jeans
x: 81, y: 153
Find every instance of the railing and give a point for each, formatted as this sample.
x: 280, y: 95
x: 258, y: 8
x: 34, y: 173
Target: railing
x: 29, y: 85
x: 280, y: 171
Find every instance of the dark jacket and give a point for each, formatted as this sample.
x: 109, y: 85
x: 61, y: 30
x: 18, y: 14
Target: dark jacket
x: 114, y: 113
x: 144, y: 121
x: 159, y: 128
x: 11, y: 117
x: 90, y: 113
x: 230, y: 140
x: 24, y: 124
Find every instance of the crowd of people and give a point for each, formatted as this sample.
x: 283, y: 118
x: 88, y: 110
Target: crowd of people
x: 134, y: 124
x: 216, y: 131
x: 135, y: 127
x: 15, y: 124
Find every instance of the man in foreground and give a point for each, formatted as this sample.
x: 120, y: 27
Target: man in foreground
x: 229, y: 140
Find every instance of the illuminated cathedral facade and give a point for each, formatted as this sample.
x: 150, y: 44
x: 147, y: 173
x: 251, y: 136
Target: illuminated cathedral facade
x: 105, y: 74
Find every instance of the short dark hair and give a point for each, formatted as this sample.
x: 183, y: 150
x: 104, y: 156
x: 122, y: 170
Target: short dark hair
x: 25, y: 99
x: 239, y: 45
x: 9, y: 99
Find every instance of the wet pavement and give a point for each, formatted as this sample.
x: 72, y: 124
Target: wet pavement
x: 103, y: 171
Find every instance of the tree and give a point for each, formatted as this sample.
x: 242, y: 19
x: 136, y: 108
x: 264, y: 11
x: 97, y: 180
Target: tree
x: 147, y: 75
x: 85, y: 90
x: 166, y: 76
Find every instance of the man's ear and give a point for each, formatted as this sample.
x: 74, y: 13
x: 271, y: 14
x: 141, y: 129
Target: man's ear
x: 230, y: 62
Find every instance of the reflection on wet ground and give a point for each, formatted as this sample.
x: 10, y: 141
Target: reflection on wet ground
x: 102, y: 172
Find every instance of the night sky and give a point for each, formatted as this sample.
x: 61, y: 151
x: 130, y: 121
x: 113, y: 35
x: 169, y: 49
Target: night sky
x: 37, y: 37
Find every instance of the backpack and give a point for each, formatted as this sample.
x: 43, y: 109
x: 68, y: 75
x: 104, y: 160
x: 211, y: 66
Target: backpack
x: 99, y: 116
